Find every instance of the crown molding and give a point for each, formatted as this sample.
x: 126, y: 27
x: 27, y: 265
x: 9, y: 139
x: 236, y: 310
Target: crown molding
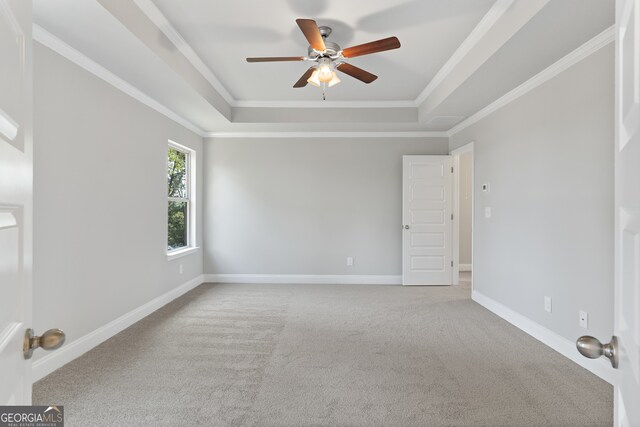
x: 483, y: 27
x: 582, y: 52
x: 160, y: 20
x: 311, y: 134
x: 157, y: 17
x: 325, y: 104
x: 47, y: 39
x: 154, y: 14
x: 54, y: 43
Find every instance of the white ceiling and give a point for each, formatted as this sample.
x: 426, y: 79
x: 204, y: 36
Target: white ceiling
x: 257, y: 96
x: 224, y: 33
x: 559, y: 28
x: 95, y: 33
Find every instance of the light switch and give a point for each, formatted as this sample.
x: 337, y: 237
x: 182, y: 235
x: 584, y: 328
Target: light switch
x: 487, y: 212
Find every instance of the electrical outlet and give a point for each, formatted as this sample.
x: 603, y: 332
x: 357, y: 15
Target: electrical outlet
x: 487, y: 212
x: 547, y: 304
x: 349, y: 261
x: 584, y: 319
x: 180, y: 269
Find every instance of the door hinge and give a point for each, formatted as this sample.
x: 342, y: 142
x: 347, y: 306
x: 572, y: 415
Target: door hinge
x: 451, y: 169
x: 451, y: 217
x: 451, y: 263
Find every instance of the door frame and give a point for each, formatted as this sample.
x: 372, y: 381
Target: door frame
x: 447, y: 276
x: 455, y: 235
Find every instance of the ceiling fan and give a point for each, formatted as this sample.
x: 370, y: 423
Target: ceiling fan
x: 329, y: 56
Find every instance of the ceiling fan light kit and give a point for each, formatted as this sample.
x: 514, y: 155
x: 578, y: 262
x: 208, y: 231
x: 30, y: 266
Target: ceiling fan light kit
x: 329, y: 57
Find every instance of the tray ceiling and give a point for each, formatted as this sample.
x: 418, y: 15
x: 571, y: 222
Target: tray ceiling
x: 188, y: 57
x: 224, y: 33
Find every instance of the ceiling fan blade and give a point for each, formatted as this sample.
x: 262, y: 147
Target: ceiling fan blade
x: 312, y: 33
x: 303, y: 80
x: 371, y: 47
x: 357, y: 73
x: 276, y: 59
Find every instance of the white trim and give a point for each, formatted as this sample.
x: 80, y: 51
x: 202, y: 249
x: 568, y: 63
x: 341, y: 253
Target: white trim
x: 155, y: 15
x: 469, y: 146
x: 600, y: 367
x: 483, y: 27
x: 191, y: 200
x: 455, y: 227
x: 47, y: 39
x: 325, y: 104
x: 457, y: 267
x: 312, y: 134
x: 55, y: 360
x: 8, y: 126
x: 590, y: 47
x: 342, y: 279
x: 7, y: 219
x: 182, y: 252
x: 52, y: 42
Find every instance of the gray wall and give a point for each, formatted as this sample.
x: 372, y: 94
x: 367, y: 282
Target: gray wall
x: 464, y: 201
x: 99, y: 200
x: 549, y: 159
x: 302, y: 206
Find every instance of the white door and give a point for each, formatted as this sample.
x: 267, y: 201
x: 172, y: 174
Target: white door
x: 16, y: 151
x: 427, y: 222
x: 627, y: 267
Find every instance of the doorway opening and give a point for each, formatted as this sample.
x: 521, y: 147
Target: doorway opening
x: 463, y: 214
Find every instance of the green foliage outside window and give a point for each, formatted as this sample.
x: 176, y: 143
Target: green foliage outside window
x: 177, y: 182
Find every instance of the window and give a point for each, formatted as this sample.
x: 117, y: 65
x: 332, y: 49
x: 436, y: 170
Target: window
x: 180, y: 161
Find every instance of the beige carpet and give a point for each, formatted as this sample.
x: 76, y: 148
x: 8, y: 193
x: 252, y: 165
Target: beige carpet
x: 297, y: 355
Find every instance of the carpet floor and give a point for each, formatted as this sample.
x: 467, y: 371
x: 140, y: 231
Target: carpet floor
x: 301, y: 355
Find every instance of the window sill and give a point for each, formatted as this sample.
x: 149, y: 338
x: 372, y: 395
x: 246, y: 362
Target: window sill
x: 181, y: 252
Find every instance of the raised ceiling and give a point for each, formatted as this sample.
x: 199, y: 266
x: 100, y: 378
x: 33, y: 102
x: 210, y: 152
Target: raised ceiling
x: 457, y: 56
x: 224, y: 33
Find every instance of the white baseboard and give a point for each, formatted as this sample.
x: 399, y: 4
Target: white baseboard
x: 340, y: 279
x: 52, y: 361
x: 465, y: 267
x: 600, y: 367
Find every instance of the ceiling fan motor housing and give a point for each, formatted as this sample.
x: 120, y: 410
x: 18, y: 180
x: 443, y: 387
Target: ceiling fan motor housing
x: 324, y: 31
x: 332, y: 49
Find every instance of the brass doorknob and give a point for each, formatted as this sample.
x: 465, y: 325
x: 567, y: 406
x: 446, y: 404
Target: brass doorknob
x: 50, y: 340
x: 592, y: 348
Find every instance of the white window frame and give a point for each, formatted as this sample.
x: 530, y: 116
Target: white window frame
x: 190, y: 164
